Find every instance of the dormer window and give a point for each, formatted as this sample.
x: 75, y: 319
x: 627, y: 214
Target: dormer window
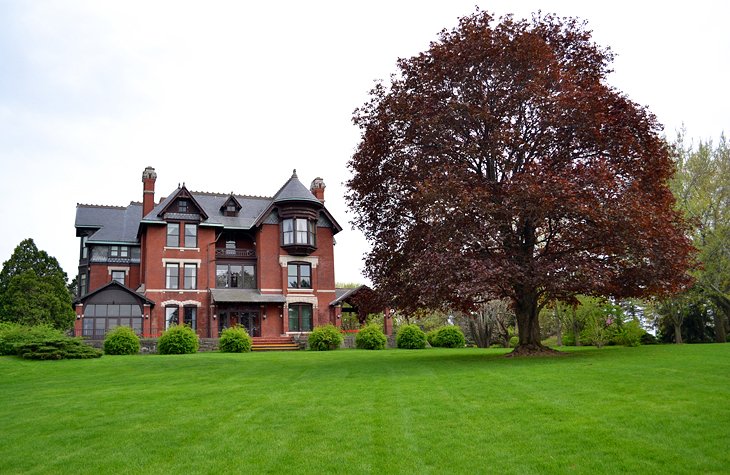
x: 231, y: 206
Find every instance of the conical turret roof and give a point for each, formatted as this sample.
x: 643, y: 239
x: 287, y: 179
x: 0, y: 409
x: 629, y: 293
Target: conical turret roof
x: 294, y: 190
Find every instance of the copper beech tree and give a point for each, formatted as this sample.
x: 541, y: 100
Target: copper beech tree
x: 500, y: 164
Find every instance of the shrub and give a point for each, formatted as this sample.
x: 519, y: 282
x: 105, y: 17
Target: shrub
x: 121, y: 341
x: 177, y: 340
x: 371, y: 337
x: 14, y: 334
x: 431, y: 337
x: 449, y: 336
x: 514, y: 341
x: 235, y: 340
x: 648, y: 339
x: 410, y: 337
x: 325, y: 338
x: 57, y: 348
x: 629, y: 334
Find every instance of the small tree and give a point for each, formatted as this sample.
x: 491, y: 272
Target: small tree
x: 33, y: 289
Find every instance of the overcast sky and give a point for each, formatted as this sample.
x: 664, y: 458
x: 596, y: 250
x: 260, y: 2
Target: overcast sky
x: 227, y: 96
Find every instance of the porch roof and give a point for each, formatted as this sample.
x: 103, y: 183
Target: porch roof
x: 245, y: 295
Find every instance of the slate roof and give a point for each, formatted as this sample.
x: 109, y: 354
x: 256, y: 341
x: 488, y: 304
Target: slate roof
x: 294, y: 190
x: 114, y: 224
x: 117, y: 224
x: 251, y: 208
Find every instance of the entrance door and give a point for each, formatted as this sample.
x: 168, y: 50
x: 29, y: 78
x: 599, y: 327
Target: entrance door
x: 251, y: 322
x: 247, y: 319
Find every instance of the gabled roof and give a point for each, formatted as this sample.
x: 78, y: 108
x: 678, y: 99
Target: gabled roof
x: 183, y: 193
x: 231, y: 201
x: 251, y: 208
x: 113, y: 224
x: 111, y: 284
x: 294, y: 190
x: 342, y: 295
x: 121, y: 225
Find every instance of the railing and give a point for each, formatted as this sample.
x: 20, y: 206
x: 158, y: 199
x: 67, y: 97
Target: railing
x: 236, y: 253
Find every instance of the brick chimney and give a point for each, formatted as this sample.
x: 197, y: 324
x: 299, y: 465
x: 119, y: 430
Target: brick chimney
x: 317, y: 188
x: 148, y: 190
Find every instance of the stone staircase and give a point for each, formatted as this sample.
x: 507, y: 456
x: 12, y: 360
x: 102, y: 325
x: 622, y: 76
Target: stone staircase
x: 274, y: 343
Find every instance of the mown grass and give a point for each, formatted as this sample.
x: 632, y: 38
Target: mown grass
x: 660, y: 409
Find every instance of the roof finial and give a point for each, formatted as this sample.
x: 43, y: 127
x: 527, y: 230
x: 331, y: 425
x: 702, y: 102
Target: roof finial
x: 178, y: 184
x: 294, y: 174
x: 183, y: 184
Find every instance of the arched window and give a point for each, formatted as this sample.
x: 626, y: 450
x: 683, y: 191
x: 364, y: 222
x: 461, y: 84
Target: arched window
x: 300, y: 317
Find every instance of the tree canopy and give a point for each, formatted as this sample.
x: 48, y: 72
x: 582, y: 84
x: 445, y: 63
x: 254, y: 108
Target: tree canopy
x: 500, y: 164
x: 702, y: 188
x: 33, y: 289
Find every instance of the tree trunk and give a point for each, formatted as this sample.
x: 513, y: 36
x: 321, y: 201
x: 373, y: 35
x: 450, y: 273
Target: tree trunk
x: 559, y: 336
x: 528, y: 325
x: 720, y: 330
x: 678, y: 333
x: 722, y: 316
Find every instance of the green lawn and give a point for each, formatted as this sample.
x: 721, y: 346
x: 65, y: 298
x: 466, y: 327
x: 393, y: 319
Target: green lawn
x: 656, y: 409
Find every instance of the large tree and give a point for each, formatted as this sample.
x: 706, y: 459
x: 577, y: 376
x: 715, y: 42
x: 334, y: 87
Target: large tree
x: 500, y: 164
x: 33, y: 288
x: 702, y: 188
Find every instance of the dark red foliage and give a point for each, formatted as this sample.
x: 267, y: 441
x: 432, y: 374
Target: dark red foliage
x: 499, y: 163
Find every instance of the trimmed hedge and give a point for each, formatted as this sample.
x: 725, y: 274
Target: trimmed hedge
x: 13, y: 334
x: 410, y: 337
x: 121, y: 341
x: 178, y: 340
x: 325, y: 338
x: 57, y: 348
x: 449, y: 336
x: 371, y: 337
x: 235, y: 340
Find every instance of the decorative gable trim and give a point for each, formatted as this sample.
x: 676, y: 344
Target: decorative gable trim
x: 182, y: 193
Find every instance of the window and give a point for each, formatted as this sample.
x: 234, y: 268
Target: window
x: 190, y: 279
x: 172, y: 274
x: 100, y: 318
x: 82, y: 284
x: 182, y: 206
x: 171, y: 317
x: 119, y: 276
x: 298, y: 231
x: 300, y: 276
x: 173, y: 234
x: 119, y: 251
x: 84, y: 249
x: 230, y: 248
x: 235, y: 276
x: 190, y: 317
x: 191, y: 235
x: 300, y: 317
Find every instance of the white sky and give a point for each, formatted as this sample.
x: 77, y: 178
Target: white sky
x: 228, y: 96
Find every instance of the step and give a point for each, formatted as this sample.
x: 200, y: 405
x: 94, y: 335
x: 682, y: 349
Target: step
x: 275, y: 347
